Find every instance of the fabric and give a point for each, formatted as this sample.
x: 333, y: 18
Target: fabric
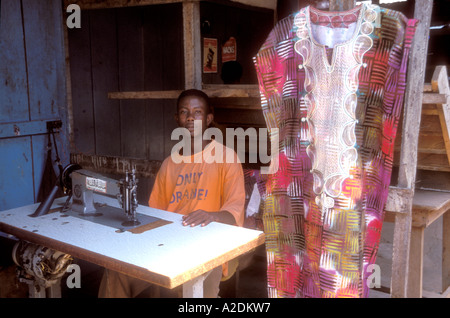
x: 332, y: 87
x: 208, y: 182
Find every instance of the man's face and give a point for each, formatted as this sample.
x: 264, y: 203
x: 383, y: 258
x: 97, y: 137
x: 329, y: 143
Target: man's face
x: 193, y: 108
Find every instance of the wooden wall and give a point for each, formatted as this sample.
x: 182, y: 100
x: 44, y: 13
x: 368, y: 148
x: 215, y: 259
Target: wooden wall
x: 140, y: 48
x: 125, y: 49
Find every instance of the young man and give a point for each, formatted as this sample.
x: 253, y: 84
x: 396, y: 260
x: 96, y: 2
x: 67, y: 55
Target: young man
x: 202, y: 190
x: 203, y: 185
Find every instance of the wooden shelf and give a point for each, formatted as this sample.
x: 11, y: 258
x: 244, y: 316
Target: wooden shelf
x: 213, y: 91
x: 95, y: 4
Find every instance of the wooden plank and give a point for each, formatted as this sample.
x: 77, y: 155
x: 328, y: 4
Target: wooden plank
x: 439, y: 161
x: 212, y: 90
x: 398, y: 199
x: 25, y: 128
x: 173, y: 94
x: 95, y: 4
x: 433, y: 167
x: 192, y: 45
x: 169, y: 94
x: 431, y: 142
x: 164, y: 72
x: 81, y: 87
x: 432, y: 151
x: 408, y: 159
x: 427, y: 87
x: 13, y: 91
x: 446, y: 251
x: 430, y: 123
x: 434, y: 98
x: 104, y: 61
x: 439, y: 83
x: 433, y: 180
x: 43, y: 40
x: 154, y: 68
x: 415, y: 280
x: 17, y: 166
x: 222, y: 91
x: 428, y: 206
x: 131, y: 77
x: 69, y: 93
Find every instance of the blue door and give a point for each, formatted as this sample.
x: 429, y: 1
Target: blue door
x: 32, y: 96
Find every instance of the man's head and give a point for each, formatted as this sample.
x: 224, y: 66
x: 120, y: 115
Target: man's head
x: 193, y: 105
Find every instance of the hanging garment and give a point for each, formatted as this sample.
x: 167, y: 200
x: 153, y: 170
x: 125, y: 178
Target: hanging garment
x: 332, y: 86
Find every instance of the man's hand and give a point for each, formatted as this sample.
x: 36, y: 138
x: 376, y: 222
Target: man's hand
x: 203, y: 218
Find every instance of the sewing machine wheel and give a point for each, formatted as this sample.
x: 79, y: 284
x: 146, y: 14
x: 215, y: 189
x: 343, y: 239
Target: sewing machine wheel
x: 65, y: 179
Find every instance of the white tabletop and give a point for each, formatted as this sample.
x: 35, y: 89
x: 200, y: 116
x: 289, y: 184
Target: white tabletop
x: 168, y: 255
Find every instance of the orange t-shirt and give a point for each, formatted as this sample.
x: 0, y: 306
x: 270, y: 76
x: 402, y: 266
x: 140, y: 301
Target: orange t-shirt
x: 213, y: 181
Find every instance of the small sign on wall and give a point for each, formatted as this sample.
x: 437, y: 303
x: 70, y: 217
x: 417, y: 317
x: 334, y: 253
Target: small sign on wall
x: 229, y: 50
x: 209, y: 55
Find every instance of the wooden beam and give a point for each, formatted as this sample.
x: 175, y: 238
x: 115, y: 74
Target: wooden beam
x: 408, y: 158
x: 95, y: 4
x: 213, y: 91
x: 415, y: 273
x: 439, y: 82
x: 192, y: 45
x: 434, y: 98
x: 398, y: 199
x: 170, y: 94
x: 446, y: 252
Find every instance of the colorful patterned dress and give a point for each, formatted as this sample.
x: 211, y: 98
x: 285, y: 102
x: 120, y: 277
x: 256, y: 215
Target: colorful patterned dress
x: 332, y: 86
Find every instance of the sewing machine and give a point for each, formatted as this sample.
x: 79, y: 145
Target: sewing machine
x: 85, y: 183
x: 81, y: 184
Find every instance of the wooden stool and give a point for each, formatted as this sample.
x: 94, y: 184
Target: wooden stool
x: 428, y: 206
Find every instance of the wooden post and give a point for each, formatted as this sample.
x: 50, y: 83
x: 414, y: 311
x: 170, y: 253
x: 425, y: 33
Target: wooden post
x: 415, y: 274
x: 342, y: 5
x: 446, y: 252
x: 192, y: 45
x: 408, y: 157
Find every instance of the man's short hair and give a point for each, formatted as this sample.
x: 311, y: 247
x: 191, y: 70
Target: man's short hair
x: 196, y: 93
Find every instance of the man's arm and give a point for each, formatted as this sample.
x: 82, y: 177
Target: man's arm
x: 203, y: 218
x: 232, y: 210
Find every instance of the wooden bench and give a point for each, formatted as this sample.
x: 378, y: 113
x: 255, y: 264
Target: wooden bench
x: 428, y: 206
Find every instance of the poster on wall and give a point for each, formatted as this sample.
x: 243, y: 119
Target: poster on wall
x: 209, y: 55
x: 229, y: 50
